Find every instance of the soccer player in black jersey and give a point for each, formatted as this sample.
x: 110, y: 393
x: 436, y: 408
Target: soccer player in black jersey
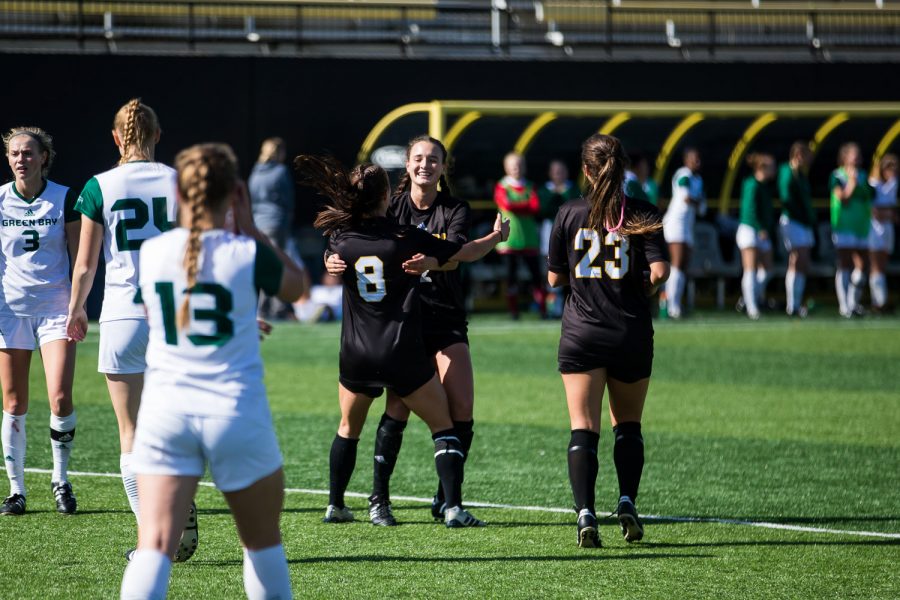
x: 381, y: 339
x: 610, y: 250
x: 422, y: 199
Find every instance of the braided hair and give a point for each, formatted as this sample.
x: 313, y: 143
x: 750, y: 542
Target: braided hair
x: 137, y: 126
x: 604, y: 159
x: 443, y: 186
x: 354, y: 195
x: 207, y: 174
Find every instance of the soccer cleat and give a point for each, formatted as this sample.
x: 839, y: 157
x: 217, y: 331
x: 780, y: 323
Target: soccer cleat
x: 380, y: 513
x: 129, y: 554
x: 588, y: 535
x: 632, y: 528
x: 14, y: 505
x: 457, y: 516
x: 189, y: 538
x: 65, y: 499
x: 334, y: 514
x: 438, y: 507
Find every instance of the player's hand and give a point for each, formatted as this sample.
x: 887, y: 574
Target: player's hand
x: 335, y: 266
x: 649, y: 288
x: 502, y: 225
x: 241, y: 211
x: 420, y: 263
x: 77, y: 325
x: 265, y: 328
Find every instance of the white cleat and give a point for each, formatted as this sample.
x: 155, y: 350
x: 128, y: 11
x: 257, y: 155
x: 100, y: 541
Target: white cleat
x: 333, y: 514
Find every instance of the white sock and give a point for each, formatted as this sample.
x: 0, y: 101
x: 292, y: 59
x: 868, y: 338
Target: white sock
x: 878, y: 288
x: 147, y: 576
x: 789, y: 285
x: 62, y: 437
x: 841, y: 285
x: 12, y: 433
x: 129, y: 481
x: 266, y: 574
x: 674, y: 289
x: 762, y: 280
x: 854, y: 292
x: 748, y: 289
x: 799, y: 287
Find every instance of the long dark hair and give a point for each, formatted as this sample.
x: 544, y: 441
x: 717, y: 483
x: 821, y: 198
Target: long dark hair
x: 353, y: 195
x: 443, y: 185
x: 604, y: 159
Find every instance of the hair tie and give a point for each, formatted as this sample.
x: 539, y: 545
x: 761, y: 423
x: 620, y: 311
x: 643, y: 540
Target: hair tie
x: 621, y: 218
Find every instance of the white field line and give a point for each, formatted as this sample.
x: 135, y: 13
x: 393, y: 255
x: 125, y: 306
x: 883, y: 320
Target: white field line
x: 548, y: 509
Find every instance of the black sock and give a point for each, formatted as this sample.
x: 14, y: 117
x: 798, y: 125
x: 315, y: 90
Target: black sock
x: 465, y: 434
x: 341, y: 464
x: 628, y: 454
x: 448, y: 460
x: 388, y: 439
x: 583, y: 467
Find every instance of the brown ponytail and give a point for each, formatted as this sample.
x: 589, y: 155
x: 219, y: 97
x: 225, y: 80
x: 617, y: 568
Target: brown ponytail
x: 604, y: 159
x: 138, y: 127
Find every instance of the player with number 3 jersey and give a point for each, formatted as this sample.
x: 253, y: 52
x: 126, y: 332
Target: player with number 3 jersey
x: 610, y: 249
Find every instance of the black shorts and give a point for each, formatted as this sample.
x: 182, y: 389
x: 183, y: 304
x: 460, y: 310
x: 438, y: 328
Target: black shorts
x: 628, y: 363
x: 404, y: 380
x: 438, y: 336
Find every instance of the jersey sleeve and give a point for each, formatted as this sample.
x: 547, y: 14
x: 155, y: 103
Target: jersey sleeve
x: 655, y: 247
x: 69, y: 212
x: 90, y: 202
x: 460, y: 223
x: 558, y: 254
x: 429, y: 245
x: 267, y: 270
x: 784, y: 184
x: 683, y: 181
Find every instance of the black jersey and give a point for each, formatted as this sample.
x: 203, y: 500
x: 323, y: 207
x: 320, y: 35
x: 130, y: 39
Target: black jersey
x: 450, y: 219
x: 381, y: 332
x: 607, y: 312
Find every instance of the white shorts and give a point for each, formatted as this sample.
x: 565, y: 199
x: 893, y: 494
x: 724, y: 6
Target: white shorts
x: 881, y: 237
x: 21, y: 333
x: 795, y: 235
x: 678, y: 230
x: 240, y: 450
x: 847, y: 241
x: 123, y: 346
x: 747, y: 237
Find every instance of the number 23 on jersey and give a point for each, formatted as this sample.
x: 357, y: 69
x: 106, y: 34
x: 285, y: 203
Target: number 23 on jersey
x: 615, y: 268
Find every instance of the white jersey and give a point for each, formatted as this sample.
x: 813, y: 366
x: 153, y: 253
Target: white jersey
x: 134, y: 202
x: 34, y: 262
x: 885, y: 193
x: 212, y: 366
x: 686, y: 184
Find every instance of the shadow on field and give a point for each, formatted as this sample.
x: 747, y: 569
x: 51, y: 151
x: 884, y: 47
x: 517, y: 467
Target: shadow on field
x: 740, y: 543
x: 225, y: 511
x: 589, y: 556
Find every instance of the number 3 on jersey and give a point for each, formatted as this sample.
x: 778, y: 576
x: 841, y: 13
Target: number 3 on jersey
x: 370, y: 278
x: 590, y: 240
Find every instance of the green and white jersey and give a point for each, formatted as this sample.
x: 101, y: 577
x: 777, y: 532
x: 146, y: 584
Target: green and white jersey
x: 686, y: 184
x: 212, y: 366
x: 34, y: 263
x: 854, y: 216
x: 135, y: 202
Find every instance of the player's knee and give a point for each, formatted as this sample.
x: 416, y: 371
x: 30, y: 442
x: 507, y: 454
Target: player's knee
x: 447, y: 443
x: 629, y: 431
x: 14, y: 403
x: 61, y: 403
x: 584, y: 440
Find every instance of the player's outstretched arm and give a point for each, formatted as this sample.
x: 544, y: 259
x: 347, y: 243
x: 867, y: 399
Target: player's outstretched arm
x: 479, y: 248
x: 86, y: 259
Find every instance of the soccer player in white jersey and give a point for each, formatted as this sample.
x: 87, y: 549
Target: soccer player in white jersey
x: 120, y: 210
x: 38, y: 226
x: 881, y: 229
x: 688, y: 200
x: 204, y: 398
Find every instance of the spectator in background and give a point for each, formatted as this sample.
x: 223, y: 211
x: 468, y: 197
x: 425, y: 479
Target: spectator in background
x: 556, y: 192
x: 850, y: 216
x: 518, y: 201
x: 688, y: 199
x: 796, y: 223
x: 754, y: 236
x: 272, y: 193
x: 638, y: 183
x: 881, y: 232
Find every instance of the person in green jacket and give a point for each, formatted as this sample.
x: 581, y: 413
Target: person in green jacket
x: 754, y: 234
x: 517, y: 199
x: 638, y: 183
x: 796, y: 223
x: 851, y: 199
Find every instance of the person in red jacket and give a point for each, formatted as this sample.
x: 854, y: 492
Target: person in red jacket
x: 517, y: 199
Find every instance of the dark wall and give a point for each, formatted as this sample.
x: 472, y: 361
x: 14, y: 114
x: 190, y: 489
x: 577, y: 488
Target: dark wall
x: 332, y: 104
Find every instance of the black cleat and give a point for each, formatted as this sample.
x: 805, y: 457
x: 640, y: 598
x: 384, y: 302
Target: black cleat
x: 65, y: 499
x: 129, y: 554
x: 380, y: 513
x: 189, y: 538
x: 588, y: 536
x: 438, y: 507
x: 632, y: 528
x: 13, y: 506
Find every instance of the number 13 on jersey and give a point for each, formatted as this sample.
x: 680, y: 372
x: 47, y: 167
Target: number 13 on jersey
x: 588, y: 239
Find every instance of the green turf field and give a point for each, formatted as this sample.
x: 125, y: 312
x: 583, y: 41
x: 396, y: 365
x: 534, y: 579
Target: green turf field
x: 780, y: 422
